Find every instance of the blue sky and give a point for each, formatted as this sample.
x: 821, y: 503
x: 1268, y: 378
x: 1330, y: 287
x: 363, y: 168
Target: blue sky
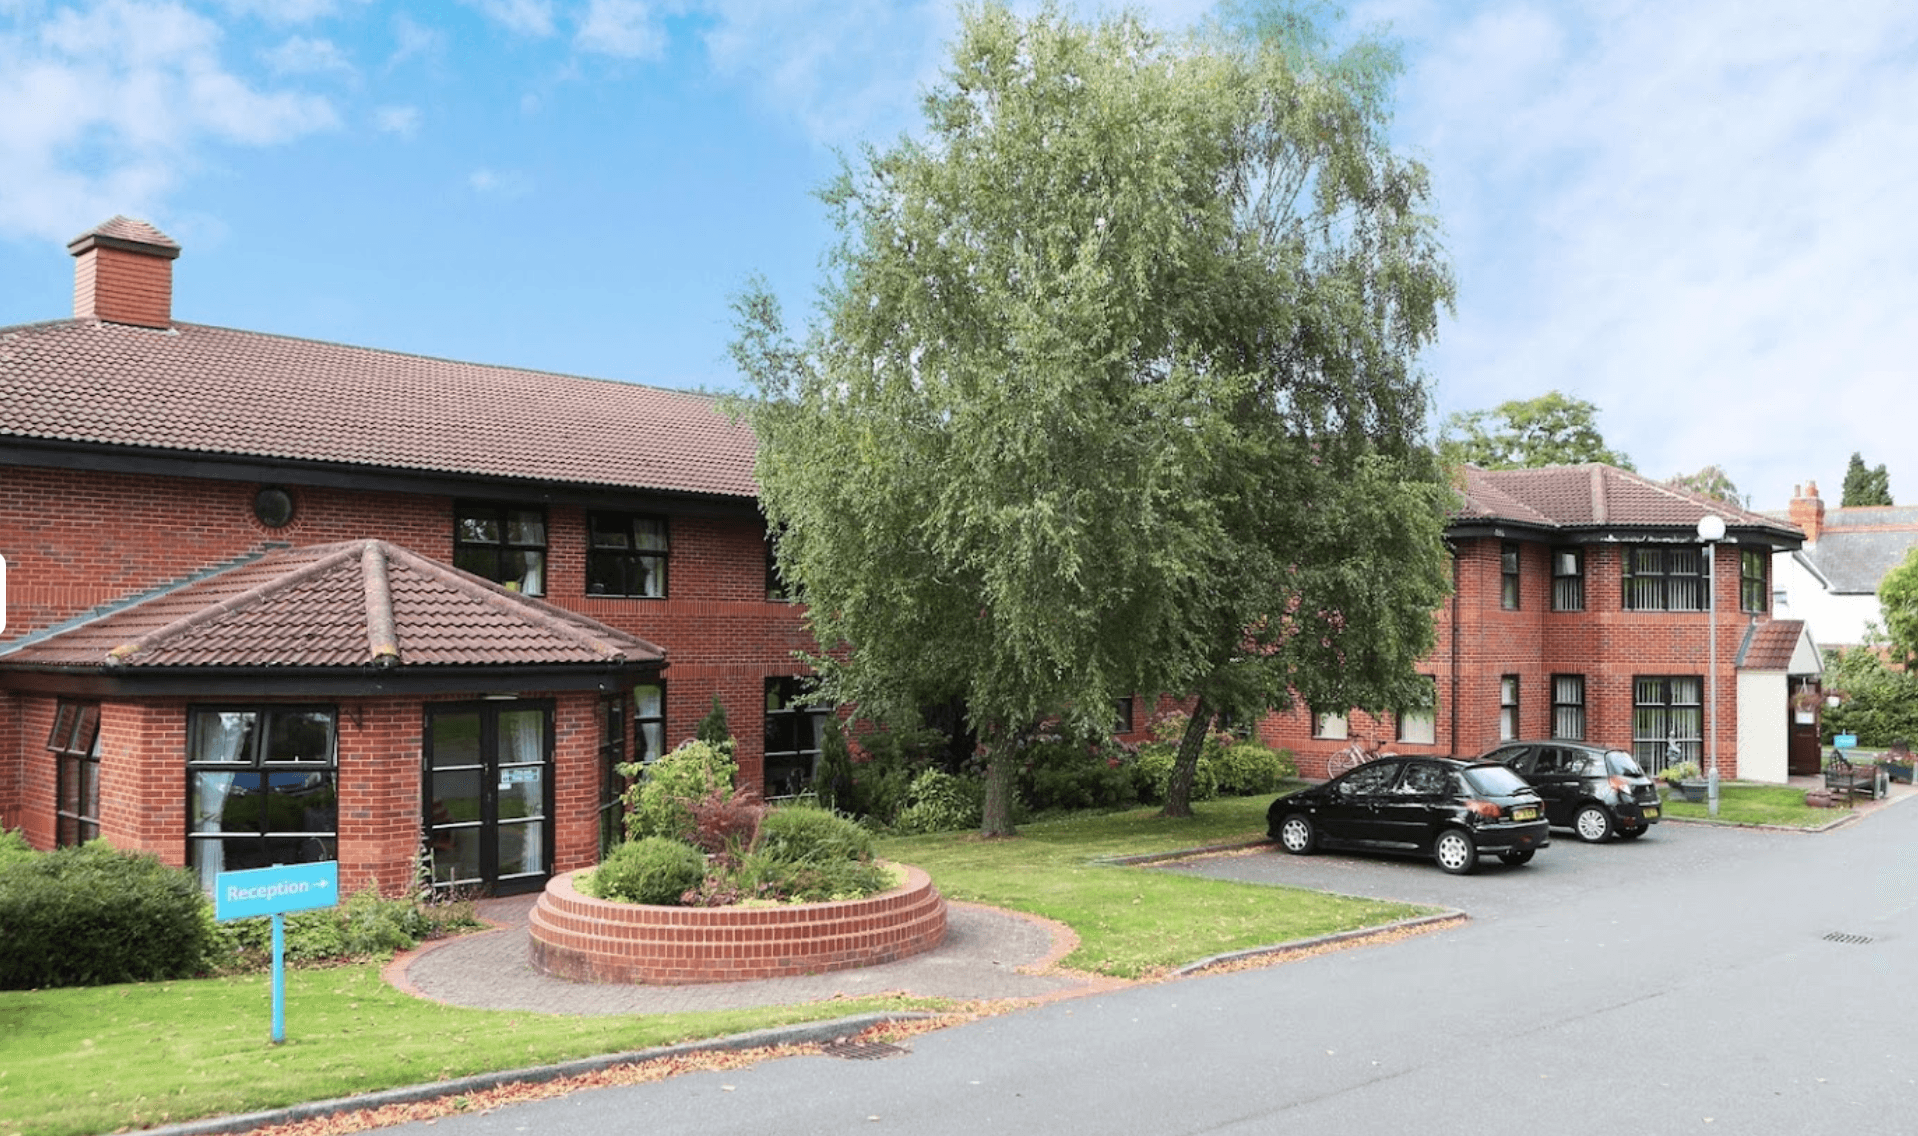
x: 1698, y: 216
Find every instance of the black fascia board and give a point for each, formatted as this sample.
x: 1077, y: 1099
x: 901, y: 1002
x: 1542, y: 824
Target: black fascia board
x: 320, y: 682
x: 157, y: 462
x: 1616, y: 534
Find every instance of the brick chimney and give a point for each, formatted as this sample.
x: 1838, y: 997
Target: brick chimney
x: 124, y: 274
x: 1807, y: 511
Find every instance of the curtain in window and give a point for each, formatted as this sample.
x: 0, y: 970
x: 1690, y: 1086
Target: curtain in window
x: 522, y: 736
x: 221, y: 738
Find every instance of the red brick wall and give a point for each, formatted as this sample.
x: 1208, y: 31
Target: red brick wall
x: 123, y: 287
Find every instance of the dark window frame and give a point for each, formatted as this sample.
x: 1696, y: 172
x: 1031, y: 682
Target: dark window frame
x: 1663, y: 706
x: 1568, y: 587
x: 1122, y: 714
x: 1569, y: 707
x: 1508, y: 576
x: 263, y: 845
x: 489, y: 557
x: 793, y: 733
x: 1659, y: 577
x: 630, y: 569
x: 1754, y: 580
x: 1508, y: 707
x: 75, y: 744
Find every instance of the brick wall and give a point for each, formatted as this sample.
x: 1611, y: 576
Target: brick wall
x: 119, y: 286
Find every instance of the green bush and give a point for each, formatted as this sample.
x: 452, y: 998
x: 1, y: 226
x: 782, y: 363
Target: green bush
x: 801, y: 834
x: 764, y: 876
x: 1074, y: 775
x: 91, y: 915
x: 650, y: 869
x: 941, y: 802
x: 1248, y: 768
x: 658, y: 803
x: 364, y: 925
x: 877, y: 787
x: 14, y: 847
x: 1153, y: 771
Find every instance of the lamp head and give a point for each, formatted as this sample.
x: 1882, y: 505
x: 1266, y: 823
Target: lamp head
x: 1711, y: 528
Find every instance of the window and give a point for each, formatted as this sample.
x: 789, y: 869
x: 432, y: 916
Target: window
x: 625, y: 555
x: 1420, y: 727
x: 1122, y: 715
x: 1507, y: 708
x: 1568, y: 579
x: 1326, y: 724
x: 75, y: 742
x: 1568, y: 707
x: 612, y: 784
x: 1667, y: 721
x: 502, y: 543
x: 775, y: 580
x: 1508, y: 577
x: 260, y: 787
x: 1753, y: 584
x: 793, y: 734
x: 1665, y: 578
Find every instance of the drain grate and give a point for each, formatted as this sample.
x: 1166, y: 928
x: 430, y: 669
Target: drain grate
x: 1844, y: 937
x: 854, y: 1050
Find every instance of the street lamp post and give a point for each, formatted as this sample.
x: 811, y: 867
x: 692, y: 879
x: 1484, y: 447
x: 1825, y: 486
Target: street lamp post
x: 1711, y: 530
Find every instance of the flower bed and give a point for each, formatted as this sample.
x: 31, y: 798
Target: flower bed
x: 584, y: 939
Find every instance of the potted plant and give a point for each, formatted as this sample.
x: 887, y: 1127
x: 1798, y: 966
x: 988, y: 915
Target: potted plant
x: 1685, y: 777
x: 1897, y: 760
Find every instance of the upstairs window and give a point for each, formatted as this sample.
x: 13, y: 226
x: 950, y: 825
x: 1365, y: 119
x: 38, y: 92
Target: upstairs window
x: 1508, y: 577
x: 625, y: 555
x: 1568, y: 579
x: 75, y: 742
x: 1754, y: 580
x: 502, y: 543
x: 1665, y: 578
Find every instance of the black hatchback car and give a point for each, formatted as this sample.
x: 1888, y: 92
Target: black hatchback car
x: 1590, y: 789
x: 1450, y: 810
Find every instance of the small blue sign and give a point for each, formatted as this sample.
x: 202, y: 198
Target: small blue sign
x: 1845, y: 741
x: 274, y: 891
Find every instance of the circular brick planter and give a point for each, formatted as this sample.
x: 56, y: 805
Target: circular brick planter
x: 578, y: 937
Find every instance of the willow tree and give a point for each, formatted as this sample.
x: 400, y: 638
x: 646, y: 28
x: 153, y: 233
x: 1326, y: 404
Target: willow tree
x: 1112, y: 389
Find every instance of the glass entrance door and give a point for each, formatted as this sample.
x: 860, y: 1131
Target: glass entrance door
x: 488, y: 787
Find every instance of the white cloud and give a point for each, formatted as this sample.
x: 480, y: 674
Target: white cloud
x: 401, y: 120
x: 628, y: 29
x: 525, y: 17
x: 107, y: 106
x: 283, y: 11
x: 300, y: 55
x: 506, y: 184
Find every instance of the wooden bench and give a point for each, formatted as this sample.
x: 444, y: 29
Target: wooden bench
x: 1847, y: 779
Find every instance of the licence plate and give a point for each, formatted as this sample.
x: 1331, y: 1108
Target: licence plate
x: 1527, y: 812
x: 1650, y: 812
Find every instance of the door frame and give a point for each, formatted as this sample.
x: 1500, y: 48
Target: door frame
x: 488, y: 712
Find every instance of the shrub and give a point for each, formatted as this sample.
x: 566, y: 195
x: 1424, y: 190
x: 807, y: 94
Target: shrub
x: 712, y: 729
x: 765, y: 876
x: 14, y: 847
x: 364, y: 925
x: 91, y: 915
x: 659, y: 802
x: 1153, y: 771
x: 1061, y: 774
x: 941, y: 802
x: 833, y: 781
x: 799, y: 834
x: 878, y: 787
x: 650, y: 869
x: 1249, y: 768
x: 725, y: 823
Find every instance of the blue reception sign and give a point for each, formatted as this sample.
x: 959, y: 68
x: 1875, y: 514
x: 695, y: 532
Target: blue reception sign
x: 1845, y: 741
x: 275, y: 891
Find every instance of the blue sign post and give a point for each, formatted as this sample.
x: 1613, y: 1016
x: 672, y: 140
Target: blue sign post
x: 276, y: 891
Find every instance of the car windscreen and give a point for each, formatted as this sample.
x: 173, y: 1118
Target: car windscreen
x: 1622, y: 763
x: 1493, y: 780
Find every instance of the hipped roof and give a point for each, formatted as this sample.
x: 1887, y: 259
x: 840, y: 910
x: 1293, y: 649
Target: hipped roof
x: 1599, y: 500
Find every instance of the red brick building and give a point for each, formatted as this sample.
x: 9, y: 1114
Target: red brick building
x: 1581, y: 609
x: 235, y: 632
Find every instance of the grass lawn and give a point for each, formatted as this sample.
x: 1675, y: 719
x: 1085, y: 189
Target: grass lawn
x: 104, y: 1058
x: 1740, y: 803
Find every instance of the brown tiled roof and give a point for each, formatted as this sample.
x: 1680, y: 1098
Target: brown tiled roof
x: 357, y: 604
x: 126, y: 230
x: 1595, y: 496
x: 1769, y: 646
x: 210, y: 390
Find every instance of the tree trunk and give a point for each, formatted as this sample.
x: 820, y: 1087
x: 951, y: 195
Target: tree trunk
x: 1002, y: 761
x: 1178, y: 791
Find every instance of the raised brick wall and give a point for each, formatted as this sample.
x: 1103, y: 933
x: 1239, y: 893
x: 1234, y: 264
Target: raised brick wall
x: 584, y: 939
x: 119, y: 286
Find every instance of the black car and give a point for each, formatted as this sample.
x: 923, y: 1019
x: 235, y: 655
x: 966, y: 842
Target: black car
x: 1592, y: 790
x: 1450, y: 810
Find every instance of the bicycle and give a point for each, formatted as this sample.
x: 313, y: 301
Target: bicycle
x: 1351, y: 757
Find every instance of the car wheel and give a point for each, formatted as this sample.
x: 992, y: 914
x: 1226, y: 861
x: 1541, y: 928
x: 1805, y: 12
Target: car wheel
x: 1593, y: 824
x: 1455, y: 851
x: 1296, y: 834
x: 1518, y: 856
x: 1634, y: 833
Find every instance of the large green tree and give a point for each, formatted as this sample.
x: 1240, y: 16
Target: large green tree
x: 1113, y: 389
x: 1711, y: 481
x: 1865, y: 486
x: 1552, y: 429
x: 1898, y: 600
